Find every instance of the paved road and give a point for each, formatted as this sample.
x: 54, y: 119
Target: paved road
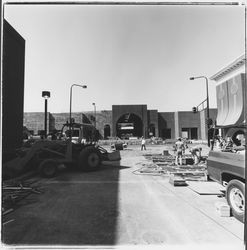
x: 114, y: 206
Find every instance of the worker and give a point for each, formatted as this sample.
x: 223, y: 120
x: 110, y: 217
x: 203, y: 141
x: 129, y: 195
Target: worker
x: 180, y: 149
x: 53, y: 136
x: 143, y: 143
x: 196, y: 154
x: 228, y: 144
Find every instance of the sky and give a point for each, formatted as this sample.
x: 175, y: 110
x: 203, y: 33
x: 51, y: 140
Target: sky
x: 125, y: 54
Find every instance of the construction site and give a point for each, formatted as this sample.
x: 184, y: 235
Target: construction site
x: 126, y: 177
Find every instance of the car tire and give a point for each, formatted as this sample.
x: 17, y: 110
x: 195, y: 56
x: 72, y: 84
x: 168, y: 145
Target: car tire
x: 89, y: 159
x: 48, y: 168
x: 235, y: 195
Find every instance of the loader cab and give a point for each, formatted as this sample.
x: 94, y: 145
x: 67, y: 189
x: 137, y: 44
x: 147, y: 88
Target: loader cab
x: 76, y: 132
x: 80, y: 132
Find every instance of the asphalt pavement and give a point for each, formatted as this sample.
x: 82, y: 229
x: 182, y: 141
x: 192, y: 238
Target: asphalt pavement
x: 115, y: 206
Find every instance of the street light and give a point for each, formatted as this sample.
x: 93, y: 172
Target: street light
x: 94, y: 120
x: 46, y: 95
x: 94, y: 114
x: 197, y: 77
x: 70, y: 104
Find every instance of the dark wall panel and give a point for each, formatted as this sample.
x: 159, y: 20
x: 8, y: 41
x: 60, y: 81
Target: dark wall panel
x: 13, y: 88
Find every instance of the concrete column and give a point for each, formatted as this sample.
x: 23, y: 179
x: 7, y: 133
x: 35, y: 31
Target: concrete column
x: 176, y: 124
x: 156, y: 131
x: 203, y: 126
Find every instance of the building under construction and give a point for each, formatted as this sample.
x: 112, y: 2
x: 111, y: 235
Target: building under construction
x: 130, y: 121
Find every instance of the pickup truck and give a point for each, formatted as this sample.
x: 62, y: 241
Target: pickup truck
x: 228, y: 169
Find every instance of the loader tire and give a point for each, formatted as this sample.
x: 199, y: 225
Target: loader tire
x: 48, y: 168
x: 89, y: 159
x: 236, y: 198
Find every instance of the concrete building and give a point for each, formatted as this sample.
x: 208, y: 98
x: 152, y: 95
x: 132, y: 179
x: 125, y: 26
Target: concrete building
x: 126, y: 121
x: 12, y: 89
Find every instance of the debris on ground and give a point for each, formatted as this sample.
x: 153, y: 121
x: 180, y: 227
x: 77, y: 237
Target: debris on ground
x: 15, y: 191
x: 7, y: 222
x: 148, y: 168
x: 164, y: 164
x: 223, y: 209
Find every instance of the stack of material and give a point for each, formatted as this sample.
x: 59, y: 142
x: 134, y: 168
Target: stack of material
x: 223, y: 209
x: 150, y: 168
x: 165, y: 164
x: 166, y: 153
x: 163, y: 158
x: 177, y: 180
x: 193, y: 175
x: 187, y: 172
x: 167, y: 158
x: 150, y: 156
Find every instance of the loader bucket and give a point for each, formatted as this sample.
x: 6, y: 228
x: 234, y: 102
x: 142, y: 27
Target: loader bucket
x: 113, y: 156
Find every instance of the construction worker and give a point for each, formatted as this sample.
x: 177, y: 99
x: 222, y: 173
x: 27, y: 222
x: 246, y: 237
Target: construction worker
x: 228, y: 144
x: 196, y: 154
x: 143, y: 143
x: 180, y: 149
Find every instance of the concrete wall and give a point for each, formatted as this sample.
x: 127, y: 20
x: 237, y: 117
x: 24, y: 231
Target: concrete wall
x: 188, y: 119
x: 12, y: 88
x: 174, y: 121
x: 203, y: 130
x: 35, y: 121
x: 104, y: 118
x: 166, y: 121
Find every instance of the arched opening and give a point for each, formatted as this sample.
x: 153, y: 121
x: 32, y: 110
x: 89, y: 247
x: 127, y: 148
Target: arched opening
x: 107, y: 131
x: 129, y: 125
x: 151, y: 130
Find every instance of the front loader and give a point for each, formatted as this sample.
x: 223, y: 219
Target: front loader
x: 46, y: 155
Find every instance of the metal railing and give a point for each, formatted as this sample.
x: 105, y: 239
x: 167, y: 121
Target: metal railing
x: 201, y: 106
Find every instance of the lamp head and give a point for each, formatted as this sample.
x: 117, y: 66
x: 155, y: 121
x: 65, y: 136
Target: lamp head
x: 46, y: 94
x: 192, y: 78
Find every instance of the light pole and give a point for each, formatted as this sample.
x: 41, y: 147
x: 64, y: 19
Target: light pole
x: 94, y: 114
x: 197, y: 77
x: 70, y: 104
x: 94, y: 120
x: 46, y: 95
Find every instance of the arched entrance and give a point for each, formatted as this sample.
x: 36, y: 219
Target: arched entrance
x: 129, y: 125
x: 107, y: 131
x: 151, y: 130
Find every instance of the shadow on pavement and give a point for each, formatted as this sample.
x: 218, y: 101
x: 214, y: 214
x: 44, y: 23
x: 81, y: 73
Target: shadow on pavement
x: 75, y: 208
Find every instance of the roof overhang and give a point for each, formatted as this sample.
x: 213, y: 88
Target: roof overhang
x: 238, y: 63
